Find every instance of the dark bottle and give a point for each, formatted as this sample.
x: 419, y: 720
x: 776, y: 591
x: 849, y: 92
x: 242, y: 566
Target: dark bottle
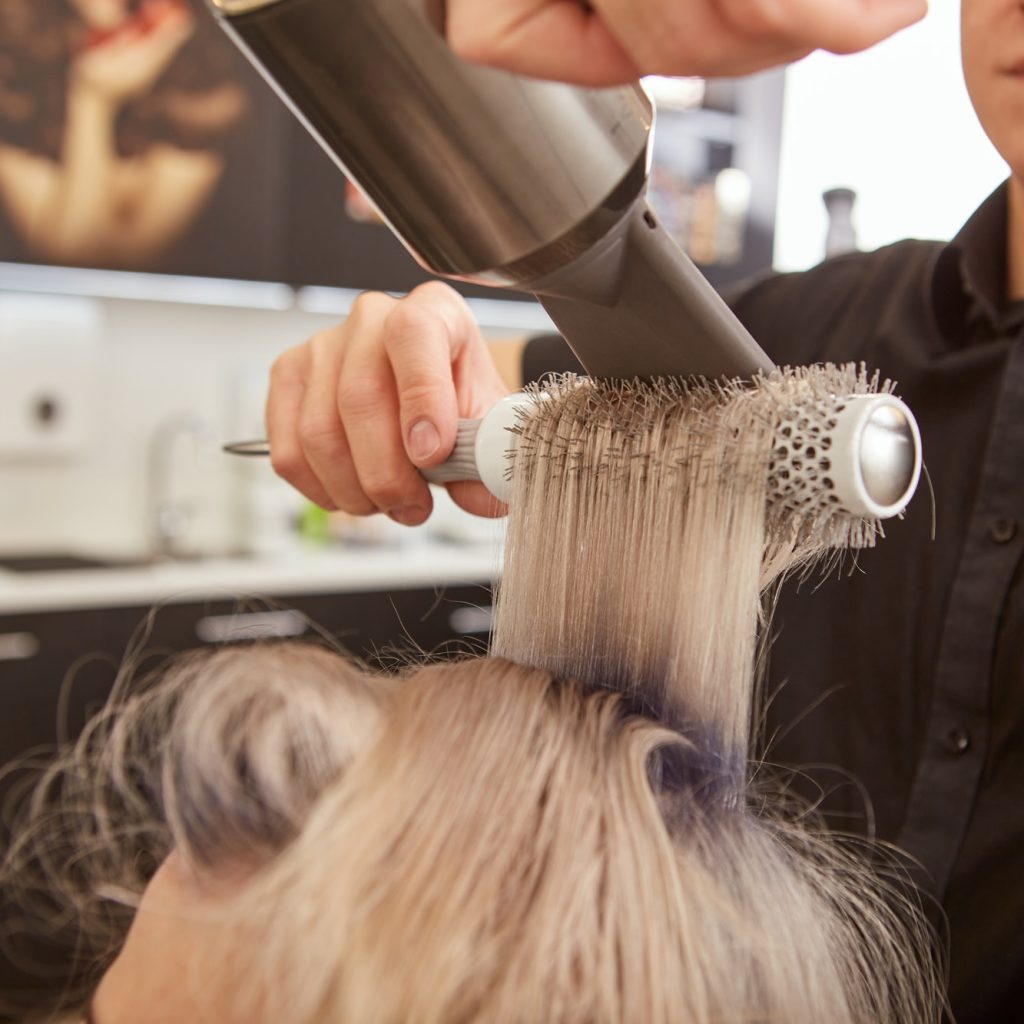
x: 841, y: 235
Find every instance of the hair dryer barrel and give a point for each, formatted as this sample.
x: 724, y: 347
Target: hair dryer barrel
x: 501, y: 201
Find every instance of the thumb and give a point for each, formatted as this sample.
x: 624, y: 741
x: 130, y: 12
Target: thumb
x: 423, y: 336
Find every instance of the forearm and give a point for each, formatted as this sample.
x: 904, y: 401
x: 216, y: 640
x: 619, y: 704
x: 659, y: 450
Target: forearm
x: 81, y: 206
x: 508, y: 359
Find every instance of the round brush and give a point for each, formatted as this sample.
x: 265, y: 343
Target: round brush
x: 859, y: 454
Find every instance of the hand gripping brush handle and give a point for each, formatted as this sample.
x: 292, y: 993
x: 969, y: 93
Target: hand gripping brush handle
x: 857, y: 454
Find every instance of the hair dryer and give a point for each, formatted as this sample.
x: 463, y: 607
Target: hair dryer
x: 494, y: 178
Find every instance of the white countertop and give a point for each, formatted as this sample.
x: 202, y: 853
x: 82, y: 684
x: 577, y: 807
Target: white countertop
x: 328, y: 570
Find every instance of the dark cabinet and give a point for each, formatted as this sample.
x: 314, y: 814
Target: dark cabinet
x: 57, y: 668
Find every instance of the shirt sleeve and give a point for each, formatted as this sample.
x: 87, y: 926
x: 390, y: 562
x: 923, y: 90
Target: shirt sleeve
x: 826, y: 314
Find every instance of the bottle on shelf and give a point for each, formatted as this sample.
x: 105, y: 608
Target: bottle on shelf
x: 841, y: 235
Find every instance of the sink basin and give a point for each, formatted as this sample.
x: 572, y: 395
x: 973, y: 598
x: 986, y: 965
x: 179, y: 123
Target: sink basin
x: 64, y: 562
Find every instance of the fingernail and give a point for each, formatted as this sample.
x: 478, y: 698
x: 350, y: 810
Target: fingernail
x: 424, y: 440
x: 408, y: 515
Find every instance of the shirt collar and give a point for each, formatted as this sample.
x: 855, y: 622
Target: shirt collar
x: 969, y: 280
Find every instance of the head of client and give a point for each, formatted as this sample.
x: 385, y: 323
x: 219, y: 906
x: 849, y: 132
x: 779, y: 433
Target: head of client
x: 476, y: 842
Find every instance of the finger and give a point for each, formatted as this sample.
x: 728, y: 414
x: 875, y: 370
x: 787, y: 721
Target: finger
x: 284, y: 401
x: 424, y: 337
x: 369, y: 410
x: 702, y: 37
x: 560, y: 39
x: 843, y: 26
x: 479, y: 384
x: 867, y: 22
x: 321, y: 432
x: 475, y: 498
x: 621, y: 39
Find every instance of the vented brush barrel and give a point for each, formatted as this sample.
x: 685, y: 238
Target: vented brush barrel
x: 860, y: 454
x: 856, y: 454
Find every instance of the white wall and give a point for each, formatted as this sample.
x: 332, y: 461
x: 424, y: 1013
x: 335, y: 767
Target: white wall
x: 895, y: 124
x: 155, y: 362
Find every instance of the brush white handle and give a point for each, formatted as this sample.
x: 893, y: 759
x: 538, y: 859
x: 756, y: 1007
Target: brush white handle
x: 482, y: 447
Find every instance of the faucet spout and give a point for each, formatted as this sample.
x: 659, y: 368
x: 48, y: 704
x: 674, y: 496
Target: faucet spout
x: 170, y: 510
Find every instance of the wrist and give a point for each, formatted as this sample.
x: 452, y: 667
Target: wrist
x: 88, y: 99
x: 89, y: 123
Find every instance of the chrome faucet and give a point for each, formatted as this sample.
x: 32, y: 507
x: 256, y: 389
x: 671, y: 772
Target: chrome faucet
x: 168, y: 514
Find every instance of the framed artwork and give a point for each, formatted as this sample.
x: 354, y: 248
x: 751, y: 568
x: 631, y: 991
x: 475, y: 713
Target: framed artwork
x: 134, y: 137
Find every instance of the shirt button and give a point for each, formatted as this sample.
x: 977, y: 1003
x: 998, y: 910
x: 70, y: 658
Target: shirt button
x: 957, y: 741
x: 1002, y: 530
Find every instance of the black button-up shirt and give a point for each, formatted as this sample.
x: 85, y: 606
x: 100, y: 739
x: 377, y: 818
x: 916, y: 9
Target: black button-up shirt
x: 898, y: 685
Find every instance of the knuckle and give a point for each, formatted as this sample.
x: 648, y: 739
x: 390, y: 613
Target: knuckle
x: 362, y: 397
x: 415, y: 313
x: 284, y: 366
x: 287, y: 462
x: 442, y: 301
x: 385, y: 489
x: 357, y: 506
x: 772, y: 18
x: 324, y: 344
x: 321, y: 434
x: 436, y: 290
x: 419, y: 392
x: 369, y: 306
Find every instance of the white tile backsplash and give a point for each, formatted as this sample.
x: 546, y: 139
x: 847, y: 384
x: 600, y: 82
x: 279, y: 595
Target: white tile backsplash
x: 195, y: 375
x: 154, y: 363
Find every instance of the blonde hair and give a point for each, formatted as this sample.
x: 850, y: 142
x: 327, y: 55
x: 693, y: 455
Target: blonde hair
x: 645, y: 528
x: 577, y: 842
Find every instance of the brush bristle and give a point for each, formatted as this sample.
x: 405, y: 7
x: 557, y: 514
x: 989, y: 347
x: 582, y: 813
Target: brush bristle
x: 656, y: 514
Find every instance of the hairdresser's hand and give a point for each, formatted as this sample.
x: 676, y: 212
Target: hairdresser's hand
x: 356, y: 409
x: 610, y: 41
